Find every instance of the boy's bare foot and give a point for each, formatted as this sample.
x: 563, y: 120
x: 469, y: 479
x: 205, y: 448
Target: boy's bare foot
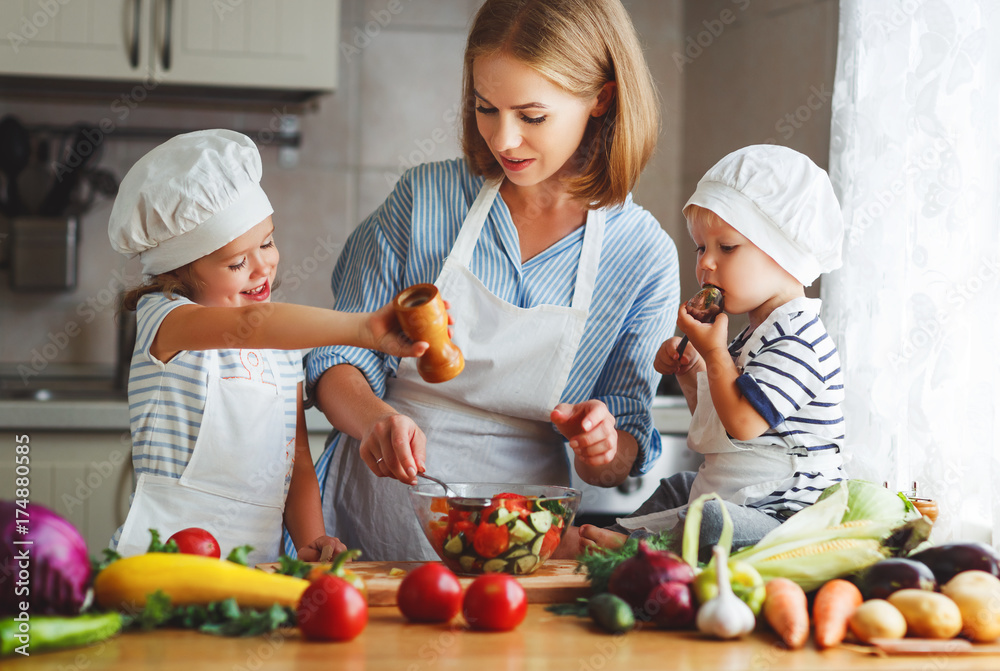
x: 605, y: 538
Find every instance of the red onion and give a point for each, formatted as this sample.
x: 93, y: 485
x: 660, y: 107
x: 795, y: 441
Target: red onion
x: 635, y: 578
x: 671, y: 605
x: 51, y: 573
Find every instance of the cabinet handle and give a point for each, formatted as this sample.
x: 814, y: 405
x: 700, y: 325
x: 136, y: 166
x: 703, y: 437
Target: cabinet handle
x: 168, y: 19
x: 133, y: 58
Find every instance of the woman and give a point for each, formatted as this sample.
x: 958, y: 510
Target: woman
x: 561, y: 288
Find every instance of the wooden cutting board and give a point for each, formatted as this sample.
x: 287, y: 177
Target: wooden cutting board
x: 555, y: 582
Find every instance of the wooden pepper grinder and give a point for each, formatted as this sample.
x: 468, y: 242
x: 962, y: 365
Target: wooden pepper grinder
x: 422, y: 315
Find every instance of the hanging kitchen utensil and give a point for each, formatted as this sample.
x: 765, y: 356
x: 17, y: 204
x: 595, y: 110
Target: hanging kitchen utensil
x: 15, y: 152
x: 36, y: 180
x: 82, y: 149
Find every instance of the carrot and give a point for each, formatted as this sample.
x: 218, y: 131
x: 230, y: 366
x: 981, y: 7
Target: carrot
x: 786, y: 610
x: 832, y: 608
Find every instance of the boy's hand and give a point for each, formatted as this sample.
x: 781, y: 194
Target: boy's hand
x: 387, y: 335
x: 590, y: 429
x: 395, y: 447
x: 314, y: 550
x: 668, y: 363
x: 704, y: 337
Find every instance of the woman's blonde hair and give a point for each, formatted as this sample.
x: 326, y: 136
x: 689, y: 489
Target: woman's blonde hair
x: 579, y: 45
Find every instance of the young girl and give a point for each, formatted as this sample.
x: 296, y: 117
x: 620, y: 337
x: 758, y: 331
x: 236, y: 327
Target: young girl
x: 215, y: 394
x: 561, y: 285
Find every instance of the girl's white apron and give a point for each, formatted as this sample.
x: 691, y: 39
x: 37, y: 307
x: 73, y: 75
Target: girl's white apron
x: 489, y: 424
x: 234, y: 484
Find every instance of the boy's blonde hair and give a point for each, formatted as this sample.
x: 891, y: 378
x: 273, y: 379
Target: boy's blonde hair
x: 579, y: 45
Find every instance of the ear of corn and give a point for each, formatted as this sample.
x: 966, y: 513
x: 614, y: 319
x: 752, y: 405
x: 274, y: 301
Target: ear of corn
x: 812, y: 565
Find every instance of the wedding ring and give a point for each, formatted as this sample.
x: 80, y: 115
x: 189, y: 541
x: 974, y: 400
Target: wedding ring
x: 378, y: 461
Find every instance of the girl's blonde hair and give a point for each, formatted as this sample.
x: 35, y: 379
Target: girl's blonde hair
x: 579, y: 45
x: 180, y: 282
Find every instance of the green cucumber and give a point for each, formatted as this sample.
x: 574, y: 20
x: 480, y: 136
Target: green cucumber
x: 50, y: 632
x: 536, y: 547
x: 611, y: 613
x: 517, y: 551
x: 541, y: 520
x: 502, y: 516
x: 494, y: 566
x: 525, y: 564
x: 454, y: 546
x: 467, y: 562
x: 521, y: 533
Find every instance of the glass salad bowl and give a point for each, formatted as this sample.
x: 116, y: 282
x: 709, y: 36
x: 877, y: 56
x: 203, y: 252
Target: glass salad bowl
x: 494, y: 528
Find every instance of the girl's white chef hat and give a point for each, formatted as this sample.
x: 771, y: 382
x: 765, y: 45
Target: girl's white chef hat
x: 782, y: 202
x: 188, y: 197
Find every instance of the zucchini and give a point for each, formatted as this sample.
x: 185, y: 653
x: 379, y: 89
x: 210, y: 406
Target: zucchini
x: 502, y: 516
x: 454, y: 545
x: 525, y: 564
x: 192, y: 580
x: 521, y: 533
x: 541, y: 521
x: 494, y: 566
x: 41, y: 633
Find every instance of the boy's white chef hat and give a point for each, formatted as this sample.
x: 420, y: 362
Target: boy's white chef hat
x: 782, y: 202
x: 188, y: 197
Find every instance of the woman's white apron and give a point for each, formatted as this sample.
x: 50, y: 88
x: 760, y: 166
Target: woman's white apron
x: 489, y: 424
x: 234, y: 484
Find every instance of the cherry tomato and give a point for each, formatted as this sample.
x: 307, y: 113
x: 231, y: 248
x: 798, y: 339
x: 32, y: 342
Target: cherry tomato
x: 495, y: 602
x: 195, y: 541
x: 330, y: 609
x: 491, y: 540
x: 430, y: 593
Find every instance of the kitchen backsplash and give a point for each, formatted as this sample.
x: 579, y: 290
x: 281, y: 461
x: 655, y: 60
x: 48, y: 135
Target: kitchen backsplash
x: 396, y: 106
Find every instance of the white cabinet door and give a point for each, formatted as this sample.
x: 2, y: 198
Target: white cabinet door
x: 266, y: 44
x: 106, y: 39
x: 285, y: 44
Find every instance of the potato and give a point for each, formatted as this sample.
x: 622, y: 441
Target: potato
x: 928, y: 614
x: 877, y: 618
x: 977, y: 594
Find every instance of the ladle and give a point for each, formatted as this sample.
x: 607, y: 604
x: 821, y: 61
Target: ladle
x: 454, y: 498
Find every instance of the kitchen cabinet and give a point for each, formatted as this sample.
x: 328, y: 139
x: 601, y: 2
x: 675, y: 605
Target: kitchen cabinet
x: 256, y: 44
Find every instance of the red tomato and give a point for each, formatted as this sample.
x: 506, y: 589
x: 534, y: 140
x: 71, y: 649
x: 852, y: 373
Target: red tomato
x: 430, y: 593
x: 491, y: 540
x: 495, y: 602
x: 331, y: 609
x: 551, y: 541
x: 195, y: 541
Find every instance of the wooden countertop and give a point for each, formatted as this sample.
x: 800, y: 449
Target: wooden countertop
x: 543, y: 641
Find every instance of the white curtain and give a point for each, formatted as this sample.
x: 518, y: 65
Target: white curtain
x: 915, y: 310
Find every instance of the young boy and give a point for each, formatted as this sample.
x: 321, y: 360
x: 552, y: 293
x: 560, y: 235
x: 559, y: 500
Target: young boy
x: 766, y: 410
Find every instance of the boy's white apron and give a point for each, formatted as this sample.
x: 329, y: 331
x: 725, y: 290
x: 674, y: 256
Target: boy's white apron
x: 489, y: 424
x: 234, y: 484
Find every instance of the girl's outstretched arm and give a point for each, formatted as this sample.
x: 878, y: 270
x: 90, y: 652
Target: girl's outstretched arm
x: 279, y: 326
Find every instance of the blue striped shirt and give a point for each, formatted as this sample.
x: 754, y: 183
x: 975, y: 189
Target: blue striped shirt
x: 793, y: 378
x: 167, y: 400
x: 405, y: 242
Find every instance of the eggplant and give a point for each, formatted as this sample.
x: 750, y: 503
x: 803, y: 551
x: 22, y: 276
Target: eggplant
x: 950, y: 558
x: 891, y: 575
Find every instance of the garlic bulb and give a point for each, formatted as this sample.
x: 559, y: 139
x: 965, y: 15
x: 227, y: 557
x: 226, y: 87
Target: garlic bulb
x: 725, y: 616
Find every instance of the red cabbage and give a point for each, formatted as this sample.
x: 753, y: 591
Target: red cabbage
x: 53, y: 576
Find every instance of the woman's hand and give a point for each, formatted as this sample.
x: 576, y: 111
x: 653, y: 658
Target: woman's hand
x: 590, y: 429
x: 314, y: 550
x: 668, y: 363
x: 394, y: 447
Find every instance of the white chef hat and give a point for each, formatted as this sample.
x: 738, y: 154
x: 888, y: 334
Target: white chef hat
x: 188, y: 197
x: 782, y: 202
